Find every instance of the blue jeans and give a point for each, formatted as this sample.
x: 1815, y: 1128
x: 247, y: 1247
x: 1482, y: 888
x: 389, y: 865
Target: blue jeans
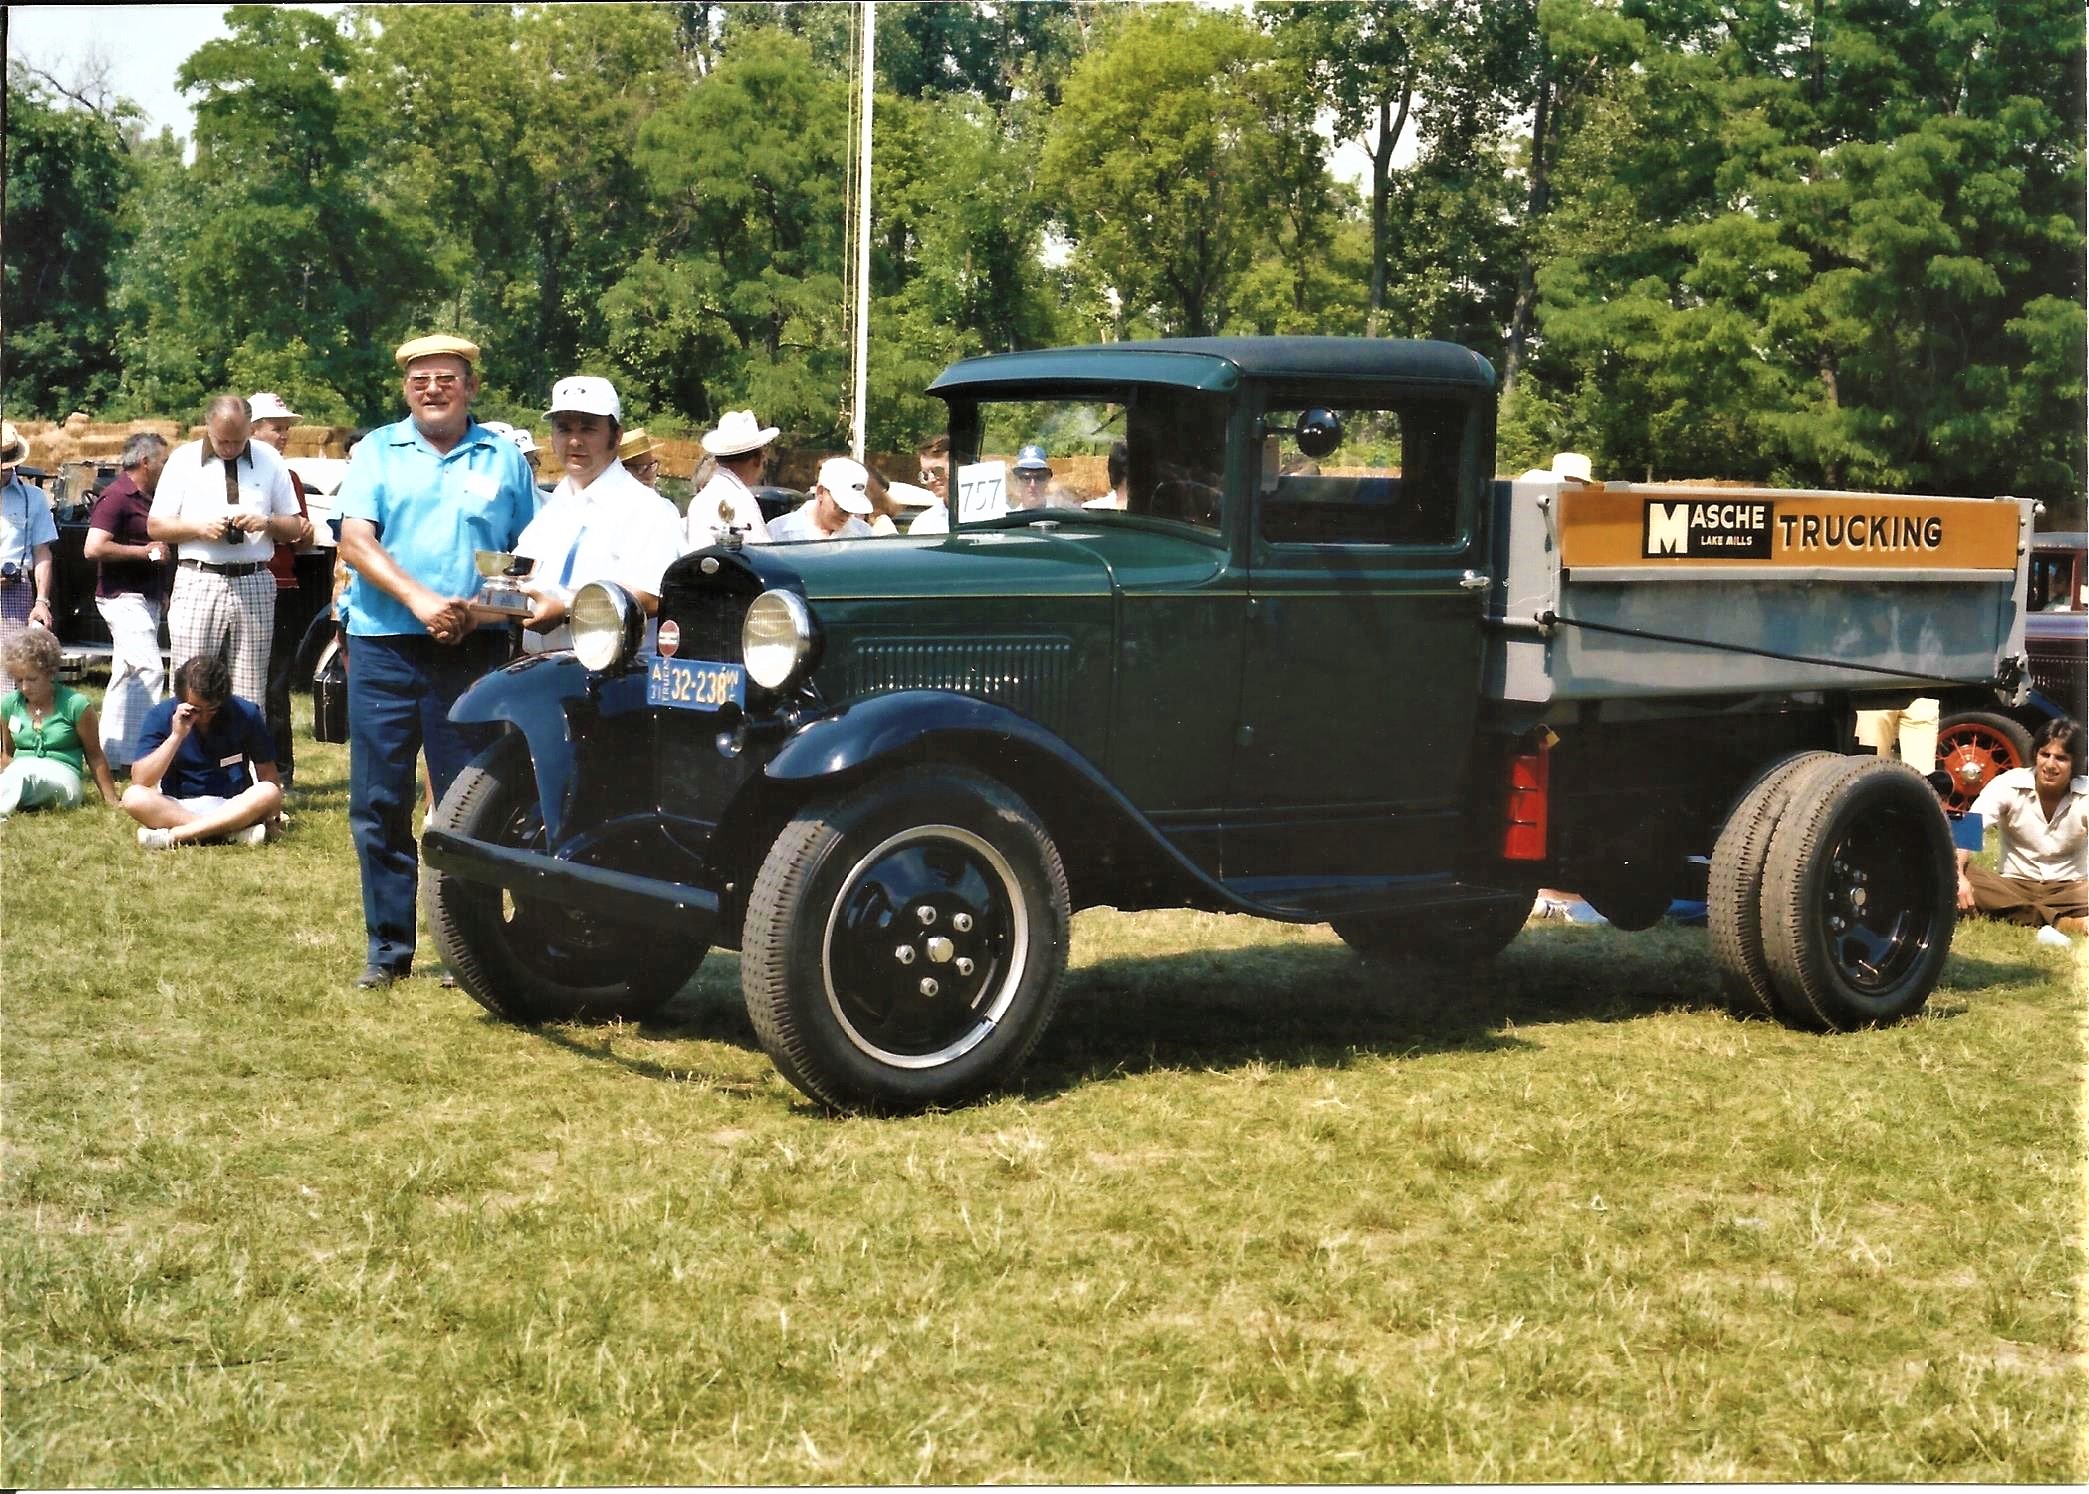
x: 400, y: 690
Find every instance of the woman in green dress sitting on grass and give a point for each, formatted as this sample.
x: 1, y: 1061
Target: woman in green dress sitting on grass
x: 49, y: 736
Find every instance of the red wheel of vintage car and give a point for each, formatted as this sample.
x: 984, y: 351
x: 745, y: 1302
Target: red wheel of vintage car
x: 1972, y: 747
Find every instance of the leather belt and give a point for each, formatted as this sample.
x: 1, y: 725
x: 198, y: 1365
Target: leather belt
x: 233, y: 568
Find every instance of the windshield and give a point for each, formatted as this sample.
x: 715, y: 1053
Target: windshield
x: 1160, y: 452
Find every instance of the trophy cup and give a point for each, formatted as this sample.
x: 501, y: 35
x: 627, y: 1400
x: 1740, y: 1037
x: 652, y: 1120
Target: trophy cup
x: 499, y: 590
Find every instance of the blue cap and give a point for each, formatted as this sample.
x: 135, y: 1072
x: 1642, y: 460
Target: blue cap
x: 1032, y: 459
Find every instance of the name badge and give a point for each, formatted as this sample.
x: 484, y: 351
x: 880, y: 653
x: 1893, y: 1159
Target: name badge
x: 233, y: 761
x: 482, y: 485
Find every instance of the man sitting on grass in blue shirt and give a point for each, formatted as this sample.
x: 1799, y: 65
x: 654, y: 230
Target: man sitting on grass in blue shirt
x: 206, y: 765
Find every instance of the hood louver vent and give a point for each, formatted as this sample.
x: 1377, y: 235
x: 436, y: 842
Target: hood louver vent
x: 1028, y: 675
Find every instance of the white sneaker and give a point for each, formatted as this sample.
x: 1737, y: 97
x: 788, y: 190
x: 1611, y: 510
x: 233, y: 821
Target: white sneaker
x: 2047, y: 934
x: 155, y: 840
x: 253, y: 835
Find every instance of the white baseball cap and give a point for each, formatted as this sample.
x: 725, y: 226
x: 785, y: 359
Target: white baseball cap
x: 515, y: 433
x: 267, y: 406
x: 847, y: 483
x: 584, y: 394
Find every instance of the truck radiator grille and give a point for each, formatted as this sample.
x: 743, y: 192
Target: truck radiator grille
x: 1027, y: 675
x: 710, y: 627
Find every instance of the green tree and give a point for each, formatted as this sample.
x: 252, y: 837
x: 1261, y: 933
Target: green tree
x: 68, y: 172
x: 1160, y: 164
x: 739, y: 299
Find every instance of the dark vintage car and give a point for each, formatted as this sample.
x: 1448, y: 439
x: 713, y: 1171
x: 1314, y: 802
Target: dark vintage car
x: 887, y: 771
x: 1979, y: 736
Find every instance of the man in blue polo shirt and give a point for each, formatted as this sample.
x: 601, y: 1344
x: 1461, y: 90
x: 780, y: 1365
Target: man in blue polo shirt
x: 421, y: 495
x: 206, y: 765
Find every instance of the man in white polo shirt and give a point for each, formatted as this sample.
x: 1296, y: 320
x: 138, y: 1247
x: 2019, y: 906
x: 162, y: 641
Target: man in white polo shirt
x: 2041, y: 871
x: 225, y: 500
x: 836, y: 508
x: 600, y: 523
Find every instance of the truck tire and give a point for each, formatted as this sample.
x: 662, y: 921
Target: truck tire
x: 1859, y: 896
x: 529, y: 959
x: 1733, y: 900
x: 904, y: 941
x: 1973, y: 747
x: 1472, y: 931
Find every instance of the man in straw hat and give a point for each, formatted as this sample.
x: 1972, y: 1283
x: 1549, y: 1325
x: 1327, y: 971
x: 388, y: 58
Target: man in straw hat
x: 222, y: 502
x: 420, y: 497
x: 640, y: 454
x: 27, y: 533
x: 739, y: 446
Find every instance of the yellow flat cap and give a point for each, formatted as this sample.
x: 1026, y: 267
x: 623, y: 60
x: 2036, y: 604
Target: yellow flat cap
x: 436, y: 345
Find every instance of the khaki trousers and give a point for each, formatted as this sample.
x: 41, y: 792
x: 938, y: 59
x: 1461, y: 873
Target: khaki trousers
x: 2021, y: 900
x: 1913, y: 728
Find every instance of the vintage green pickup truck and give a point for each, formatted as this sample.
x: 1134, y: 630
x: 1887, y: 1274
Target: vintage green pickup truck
x: 1321, y: 665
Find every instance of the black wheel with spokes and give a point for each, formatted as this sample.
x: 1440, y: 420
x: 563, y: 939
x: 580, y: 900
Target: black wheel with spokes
x: 1859, y: 896
x: 533, y: 959
x: 904, y: 942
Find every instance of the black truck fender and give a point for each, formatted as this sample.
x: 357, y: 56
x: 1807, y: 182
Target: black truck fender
x: 536, y: 695
x: 904, y: 727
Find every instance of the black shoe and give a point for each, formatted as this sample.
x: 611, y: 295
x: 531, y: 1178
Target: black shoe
x: 376, y: 977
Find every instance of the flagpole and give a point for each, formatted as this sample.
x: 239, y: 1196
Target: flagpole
x: 858, y: 394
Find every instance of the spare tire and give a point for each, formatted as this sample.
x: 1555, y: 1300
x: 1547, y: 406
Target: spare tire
x: 1859, y: 896
x: 1733, y: 898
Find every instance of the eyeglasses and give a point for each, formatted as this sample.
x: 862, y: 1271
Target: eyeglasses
x: 1032, y: 476
x: 648, y: 466
x: 432, y: 381
x: 933, y: 474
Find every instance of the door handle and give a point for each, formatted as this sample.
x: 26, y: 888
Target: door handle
x: 1474, y: 581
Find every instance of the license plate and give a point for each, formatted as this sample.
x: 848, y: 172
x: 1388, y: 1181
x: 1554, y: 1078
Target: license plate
x: 695, y: 684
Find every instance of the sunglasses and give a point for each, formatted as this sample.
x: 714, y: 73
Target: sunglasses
x: 432, y: 381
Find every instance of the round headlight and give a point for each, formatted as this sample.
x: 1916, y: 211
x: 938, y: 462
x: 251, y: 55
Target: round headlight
x: 608, y: 625
x: 776, y: 641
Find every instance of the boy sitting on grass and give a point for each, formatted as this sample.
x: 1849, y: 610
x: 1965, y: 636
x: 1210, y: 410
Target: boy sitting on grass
x: 2042, y: 813
x: 206, y: 766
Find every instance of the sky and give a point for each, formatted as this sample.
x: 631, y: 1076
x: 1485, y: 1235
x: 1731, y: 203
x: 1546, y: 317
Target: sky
x: 142, y: 46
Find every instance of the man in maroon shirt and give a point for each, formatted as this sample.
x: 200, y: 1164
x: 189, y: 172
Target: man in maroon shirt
x: 272, y: 422
x: 129, y: 585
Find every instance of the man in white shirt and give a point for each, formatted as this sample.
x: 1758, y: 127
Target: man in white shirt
x: 935, y: 476
x: 739, y: 446
x: 836, y: 509
x: 600, y: 523
x: 224, y: 501
x: 2042, y: 814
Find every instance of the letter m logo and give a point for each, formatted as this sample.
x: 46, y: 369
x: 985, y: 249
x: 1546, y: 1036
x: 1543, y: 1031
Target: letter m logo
x: 1668, y: 529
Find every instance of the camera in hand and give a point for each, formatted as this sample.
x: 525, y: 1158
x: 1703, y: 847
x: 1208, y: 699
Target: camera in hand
x: 232, y: 534
x: 9, y: 571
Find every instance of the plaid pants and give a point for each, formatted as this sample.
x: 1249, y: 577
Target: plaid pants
x: 16, y: 597
x: 233, y: 617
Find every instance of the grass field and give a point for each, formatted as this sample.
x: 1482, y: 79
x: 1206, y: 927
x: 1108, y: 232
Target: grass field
x: 1259, y: 1212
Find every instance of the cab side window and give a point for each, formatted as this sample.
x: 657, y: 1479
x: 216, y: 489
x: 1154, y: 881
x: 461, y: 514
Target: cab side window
x: 1395, y: 476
